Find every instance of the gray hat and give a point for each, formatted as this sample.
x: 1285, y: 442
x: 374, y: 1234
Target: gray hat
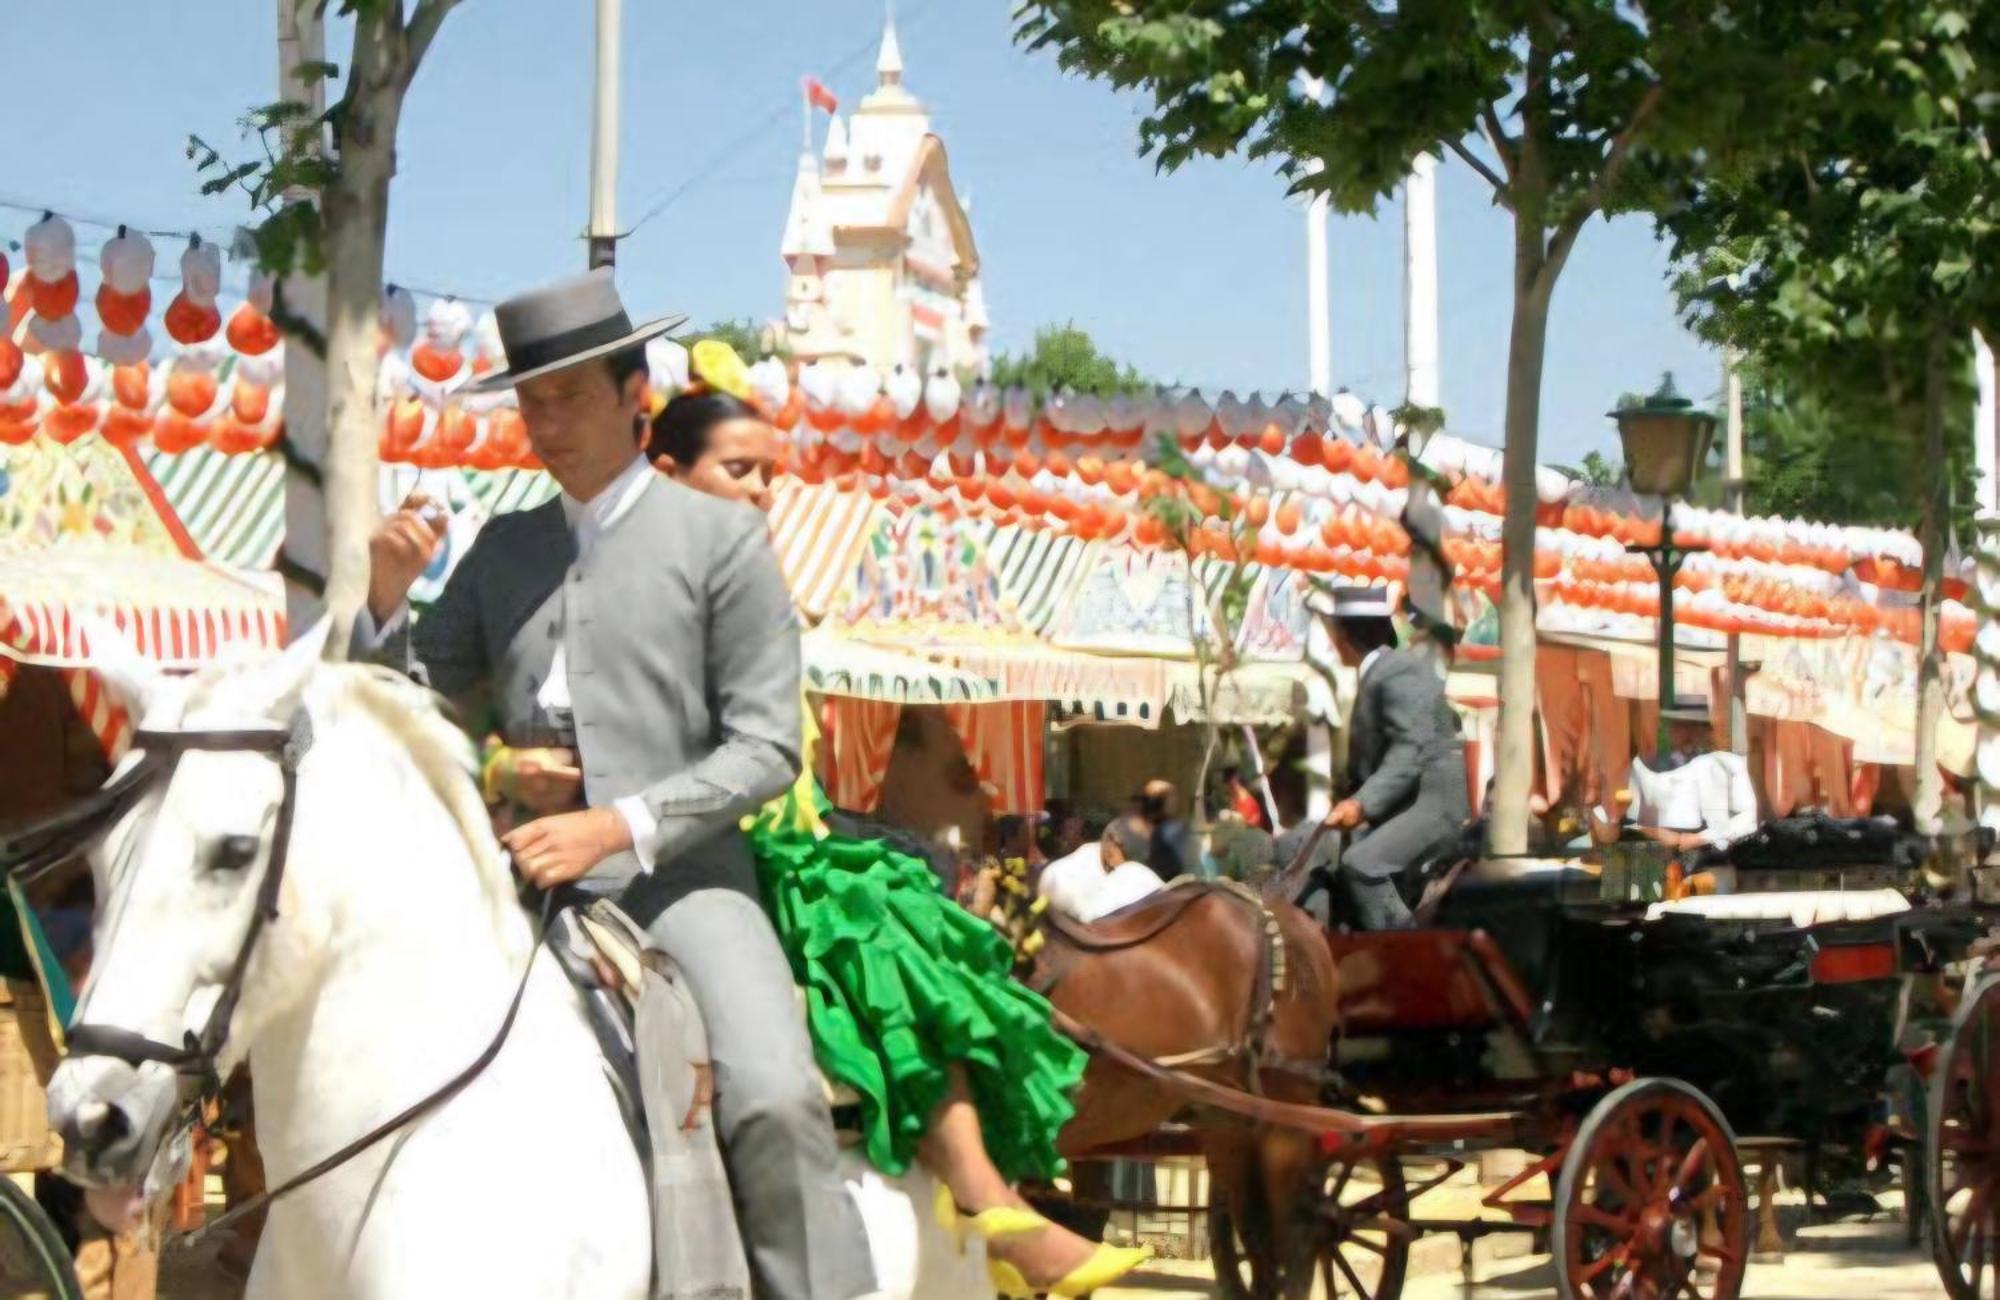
x: 564, y: 324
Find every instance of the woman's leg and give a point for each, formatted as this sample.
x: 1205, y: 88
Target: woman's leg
x: 955, y: 1151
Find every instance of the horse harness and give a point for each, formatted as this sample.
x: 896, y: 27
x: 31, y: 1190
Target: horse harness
x: 196, y: 1057
x: 1268, y: 980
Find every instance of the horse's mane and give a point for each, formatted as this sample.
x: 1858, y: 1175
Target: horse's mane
x: 412, y: 716
x: 413, y: 719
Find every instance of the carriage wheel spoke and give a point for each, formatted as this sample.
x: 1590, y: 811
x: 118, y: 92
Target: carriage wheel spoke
x: 1968, y: 1223
x: 1608, y: 1172
x: 1628, y: 1287
x: 1716, y: 1250
x: 1709, y: 1197
x: 1613, y: 1255
x: 1365, y: 1244
x: 1692, y: 1164
x: 1599, y: 1218
x: 1346, y: 1172
x: 1347, y: 1271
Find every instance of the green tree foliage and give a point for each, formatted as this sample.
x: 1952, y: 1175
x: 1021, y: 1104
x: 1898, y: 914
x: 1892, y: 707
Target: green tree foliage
x: 1065, y: 357
x: 1855, y: 263
x: 1566, y: 108
x: 745, y: 336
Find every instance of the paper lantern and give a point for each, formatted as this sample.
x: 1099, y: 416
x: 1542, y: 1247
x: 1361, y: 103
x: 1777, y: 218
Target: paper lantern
x: 49, y: 249
x: 56, y: 333
x: 11, y: 359
x: 1191, y: 418
x: 125, y: 349
x: 66, y: 374
x: 191, y: 390
x: 123, y: 313
x: 396, y: 317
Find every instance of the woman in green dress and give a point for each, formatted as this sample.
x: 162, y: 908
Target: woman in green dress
x: 911, y: 1001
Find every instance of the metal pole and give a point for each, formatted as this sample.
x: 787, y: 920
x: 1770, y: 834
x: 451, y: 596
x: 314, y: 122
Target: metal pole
x: 1734, y: 485
x: 1319, y: 313
x: 1319, y: 310
x: 1667, y: 562
x: 1420, y: 283
x: 604, y: 141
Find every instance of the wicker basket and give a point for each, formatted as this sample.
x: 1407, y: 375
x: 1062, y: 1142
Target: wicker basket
x: 26, y: 1142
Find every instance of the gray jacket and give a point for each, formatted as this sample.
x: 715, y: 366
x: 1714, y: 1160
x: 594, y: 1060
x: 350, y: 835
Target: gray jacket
x: 1404, y: 747
x: 682, y: 652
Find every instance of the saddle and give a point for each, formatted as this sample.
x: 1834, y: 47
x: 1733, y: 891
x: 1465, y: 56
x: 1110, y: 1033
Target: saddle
x: 663, y: 1095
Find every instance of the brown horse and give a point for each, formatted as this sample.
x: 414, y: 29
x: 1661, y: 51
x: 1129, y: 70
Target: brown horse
x: 1209, y: 980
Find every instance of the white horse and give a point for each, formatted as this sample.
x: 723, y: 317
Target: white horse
x: 396, y: 949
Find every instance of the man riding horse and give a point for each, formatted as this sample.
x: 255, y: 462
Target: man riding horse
x: 648, y: 628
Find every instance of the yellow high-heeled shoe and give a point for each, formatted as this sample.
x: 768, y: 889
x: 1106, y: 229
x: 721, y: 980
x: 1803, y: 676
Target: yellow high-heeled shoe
x: 996, y: 1224
x: 1106, y: 1265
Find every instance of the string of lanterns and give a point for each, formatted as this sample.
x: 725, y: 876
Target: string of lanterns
x: 1310, y: 484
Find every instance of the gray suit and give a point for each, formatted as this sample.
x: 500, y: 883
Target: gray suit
x: 682, y: 653
x: 1406, y: 768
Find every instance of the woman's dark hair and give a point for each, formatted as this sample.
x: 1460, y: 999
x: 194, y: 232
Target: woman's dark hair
x: 681, y: 428
x: 1366, y: 634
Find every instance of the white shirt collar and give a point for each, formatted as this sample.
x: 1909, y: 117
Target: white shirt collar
x: 1368, y: 661
x: 589, y: 518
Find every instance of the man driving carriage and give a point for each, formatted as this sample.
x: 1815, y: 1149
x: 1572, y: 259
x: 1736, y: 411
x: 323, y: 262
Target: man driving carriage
x: 1405, y: 763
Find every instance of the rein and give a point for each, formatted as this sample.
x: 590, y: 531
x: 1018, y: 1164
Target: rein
x: 401, y: 1119
x: 197, y: 1055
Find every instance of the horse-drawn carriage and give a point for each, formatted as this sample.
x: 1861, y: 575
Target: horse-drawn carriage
x: 1635, y: 1049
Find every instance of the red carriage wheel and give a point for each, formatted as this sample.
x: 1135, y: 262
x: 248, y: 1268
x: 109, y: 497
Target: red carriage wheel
x: 1365, y: 1233
x: 1359, y: 1238
x: 1962, y: 1149
x: 1650, y: 1203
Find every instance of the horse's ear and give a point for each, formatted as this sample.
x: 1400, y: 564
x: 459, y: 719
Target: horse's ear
x: 286, y: 676
x: 116, y: 661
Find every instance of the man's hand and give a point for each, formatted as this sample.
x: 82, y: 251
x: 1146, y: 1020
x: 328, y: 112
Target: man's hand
x: 551, y: 851
x: 1346, y: 815
x: 540, y: 780
x: 399, y: 551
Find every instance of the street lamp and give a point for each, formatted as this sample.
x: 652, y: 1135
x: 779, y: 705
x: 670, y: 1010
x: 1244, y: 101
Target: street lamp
x: 1665, y: 440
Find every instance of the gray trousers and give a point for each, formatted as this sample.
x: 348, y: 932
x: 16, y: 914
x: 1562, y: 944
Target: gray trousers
x: 801, y: 1228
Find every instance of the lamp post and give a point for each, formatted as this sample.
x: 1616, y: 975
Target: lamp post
x: 1665, y: 440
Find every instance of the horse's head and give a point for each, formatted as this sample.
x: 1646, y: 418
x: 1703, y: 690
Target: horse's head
x: 197, y: 941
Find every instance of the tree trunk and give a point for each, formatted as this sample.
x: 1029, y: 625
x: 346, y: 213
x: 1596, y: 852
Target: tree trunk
x: 356, y: 207
x: 1514, y: 757
x: 300, y: 310
x: 1928, y: 802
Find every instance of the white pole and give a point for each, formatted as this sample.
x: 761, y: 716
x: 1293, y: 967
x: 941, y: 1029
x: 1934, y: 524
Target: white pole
x: 604, y: 141
x: 1986, y: 428
x: 1319, y: 310
x: 1733, y: 484
x: 1420, y: 283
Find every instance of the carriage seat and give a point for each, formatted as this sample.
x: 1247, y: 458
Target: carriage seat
x: 1802, y: 908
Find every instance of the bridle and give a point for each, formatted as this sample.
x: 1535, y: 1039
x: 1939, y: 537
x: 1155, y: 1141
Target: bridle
x: 196, y: 1056
x: 195, y: 1059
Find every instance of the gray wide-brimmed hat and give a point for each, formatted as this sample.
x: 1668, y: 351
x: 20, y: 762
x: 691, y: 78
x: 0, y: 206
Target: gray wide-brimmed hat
x: 564, y: 324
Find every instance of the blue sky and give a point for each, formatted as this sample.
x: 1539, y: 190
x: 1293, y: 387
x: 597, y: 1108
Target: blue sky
x: 1196, y: 277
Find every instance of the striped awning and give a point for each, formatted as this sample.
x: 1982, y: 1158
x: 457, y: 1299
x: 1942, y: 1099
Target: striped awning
x: 819, y: 533
x: 1027, y: 668
x: 835, y: 665
x: 1038, y: 571
x: 502, y: 490
x: 175, y: 611
x: 1258, y: 695
x: 232, y: 506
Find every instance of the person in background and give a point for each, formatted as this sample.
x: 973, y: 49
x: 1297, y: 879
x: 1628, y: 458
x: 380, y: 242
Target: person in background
x: 1243, y: 800
x: 1405, y: 761
x: 1173, y: 851
x: 1101, y: 878
x: 1700, y: 797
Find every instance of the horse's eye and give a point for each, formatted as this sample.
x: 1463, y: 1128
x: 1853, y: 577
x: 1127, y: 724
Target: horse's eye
x: 234, y: 852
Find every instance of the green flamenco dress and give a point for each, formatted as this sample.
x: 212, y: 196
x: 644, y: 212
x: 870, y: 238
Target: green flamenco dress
x: 902, y: 983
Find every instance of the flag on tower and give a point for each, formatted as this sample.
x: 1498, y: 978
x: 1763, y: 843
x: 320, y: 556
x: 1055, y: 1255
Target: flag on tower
x: 819, y: 96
